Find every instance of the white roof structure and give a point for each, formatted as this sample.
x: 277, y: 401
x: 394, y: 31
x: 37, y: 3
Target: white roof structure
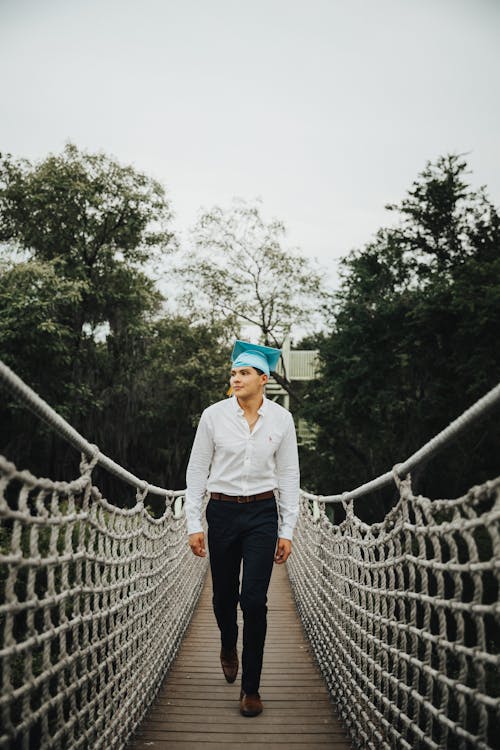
x: 300, y: 364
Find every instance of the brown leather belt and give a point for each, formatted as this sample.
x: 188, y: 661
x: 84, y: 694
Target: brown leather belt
x: 242, y: 498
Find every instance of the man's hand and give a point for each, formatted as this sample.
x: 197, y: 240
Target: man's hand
x: 283, y: 549
x: 197, y: 544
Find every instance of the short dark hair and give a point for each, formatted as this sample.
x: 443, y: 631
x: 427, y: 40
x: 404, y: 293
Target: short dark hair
x: 259, y: 372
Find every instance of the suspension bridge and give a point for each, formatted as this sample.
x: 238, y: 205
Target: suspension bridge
x: 380, y: 636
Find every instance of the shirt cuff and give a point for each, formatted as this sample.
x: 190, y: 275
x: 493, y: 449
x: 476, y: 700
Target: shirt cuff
x: 194, y: 528
x: 286, y: 532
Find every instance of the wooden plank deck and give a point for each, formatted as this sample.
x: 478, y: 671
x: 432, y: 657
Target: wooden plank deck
x: 196, y: 707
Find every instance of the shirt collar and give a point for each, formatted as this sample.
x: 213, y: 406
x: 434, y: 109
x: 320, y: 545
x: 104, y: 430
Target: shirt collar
x: 261, y: 410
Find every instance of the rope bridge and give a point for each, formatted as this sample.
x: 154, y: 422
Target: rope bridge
x: 402, y: 615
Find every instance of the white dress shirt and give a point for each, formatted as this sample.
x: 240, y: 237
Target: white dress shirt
x: 226, y: 457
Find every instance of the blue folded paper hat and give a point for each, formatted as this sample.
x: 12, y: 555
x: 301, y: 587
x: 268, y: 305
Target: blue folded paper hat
x: 264, y: 358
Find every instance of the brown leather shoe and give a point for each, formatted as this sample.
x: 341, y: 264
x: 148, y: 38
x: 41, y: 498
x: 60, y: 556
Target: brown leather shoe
x: 251, y: 704
x: 229, y: 662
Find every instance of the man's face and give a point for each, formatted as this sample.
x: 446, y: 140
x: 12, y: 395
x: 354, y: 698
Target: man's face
x: 246, y: 382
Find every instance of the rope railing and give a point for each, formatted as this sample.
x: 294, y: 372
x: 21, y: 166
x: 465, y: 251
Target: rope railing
x: 39, y: 407
x: 404, y: 618
x: 464, y: 422
x: 94, y: 601
x: 47, y: 414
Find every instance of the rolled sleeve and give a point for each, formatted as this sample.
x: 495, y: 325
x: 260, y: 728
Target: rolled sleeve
x: 288, y: 475
x: 197, y: 474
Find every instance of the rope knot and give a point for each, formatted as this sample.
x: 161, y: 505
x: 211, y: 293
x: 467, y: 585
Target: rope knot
x: 141, y: 495
x: 348, y: 504
x: 395, y: 475
x: 86, y: 465
x: 403, y: 484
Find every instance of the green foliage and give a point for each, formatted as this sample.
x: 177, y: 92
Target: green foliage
x: 241, y: 273
x: 414, y: 342
x: 151, y: 404
x: 94, y: 220
x: 83, y: 210
x: 82, y: 322
x: 36, y: 320
x: 413, y: 339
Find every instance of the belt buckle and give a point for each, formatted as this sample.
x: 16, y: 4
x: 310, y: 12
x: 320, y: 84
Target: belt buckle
x: 240, y: 499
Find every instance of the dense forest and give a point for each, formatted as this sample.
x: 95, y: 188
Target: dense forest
x: 407, y: 342
x: 413, y: 340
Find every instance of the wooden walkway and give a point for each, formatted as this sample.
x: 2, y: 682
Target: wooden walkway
x: 197, y: 708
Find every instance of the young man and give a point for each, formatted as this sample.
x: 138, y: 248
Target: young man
x: 245, y: 449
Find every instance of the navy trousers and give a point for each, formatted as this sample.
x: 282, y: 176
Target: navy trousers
x: 245, y: 532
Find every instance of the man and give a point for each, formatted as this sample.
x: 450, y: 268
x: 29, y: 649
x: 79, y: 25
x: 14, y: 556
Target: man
x: 245, y: 449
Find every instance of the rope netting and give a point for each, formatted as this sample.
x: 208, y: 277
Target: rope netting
x: 94, y: 602
x: 403, y: 617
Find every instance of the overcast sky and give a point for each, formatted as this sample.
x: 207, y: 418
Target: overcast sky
x: 325, y: 109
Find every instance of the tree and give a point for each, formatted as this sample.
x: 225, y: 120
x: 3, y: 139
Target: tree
x: 186, y: 369
x: 241, y: 272
x: 82, y: 209
x: 36, y: 306
x: 82, y: 322
x: 92, y: 217
x: 413, y: 342
x: 138, y: 398
x: 75, y: 308
x: 36, y: 341
x: 96, y: 223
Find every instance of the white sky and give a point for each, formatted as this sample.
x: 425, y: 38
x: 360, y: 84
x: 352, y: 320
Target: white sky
x: 326, y: 109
